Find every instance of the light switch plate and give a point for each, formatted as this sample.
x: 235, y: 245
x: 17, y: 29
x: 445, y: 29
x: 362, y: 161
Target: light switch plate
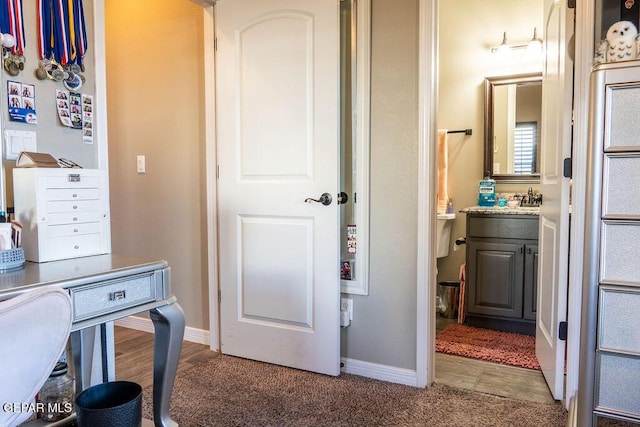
x: 17, y: 141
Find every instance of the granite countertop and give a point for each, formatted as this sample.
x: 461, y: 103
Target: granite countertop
x: 497, y: 210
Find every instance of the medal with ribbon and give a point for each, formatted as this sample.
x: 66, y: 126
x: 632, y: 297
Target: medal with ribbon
x: 62, y: 41
x: 12, y: 28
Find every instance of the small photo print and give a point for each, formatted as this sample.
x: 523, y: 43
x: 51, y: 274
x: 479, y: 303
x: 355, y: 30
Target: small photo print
x: 345, y: 270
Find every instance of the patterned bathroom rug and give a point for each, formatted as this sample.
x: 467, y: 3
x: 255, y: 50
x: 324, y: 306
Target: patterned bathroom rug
x: 485, y: 344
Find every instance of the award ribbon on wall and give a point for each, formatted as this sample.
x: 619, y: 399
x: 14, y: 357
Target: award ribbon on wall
x: 62, y: 41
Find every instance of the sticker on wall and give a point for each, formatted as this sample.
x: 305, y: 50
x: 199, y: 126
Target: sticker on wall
x: 22, y: 102
x: 351, y: 238
x: 87, y: 119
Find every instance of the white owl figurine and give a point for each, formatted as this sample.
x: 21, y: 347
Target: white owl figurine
x: 621, y: 44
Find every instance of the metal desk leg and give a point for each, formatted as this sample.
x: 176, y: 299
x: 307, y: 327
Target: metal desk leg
x: 168, y: 322
x: 82, y: 343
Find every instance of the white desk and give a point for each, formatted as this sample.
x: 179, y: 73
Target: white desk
x: 104, y: 288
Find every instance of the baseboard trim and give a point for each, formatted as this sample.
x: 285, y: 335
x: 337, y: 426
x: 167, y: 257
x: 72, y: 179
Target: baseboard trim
x: 379, y: 372
x: 199, y: 336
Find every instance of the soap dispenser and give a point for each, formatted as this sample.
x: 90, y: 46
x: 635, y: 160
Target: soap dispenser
x: 487, y: 192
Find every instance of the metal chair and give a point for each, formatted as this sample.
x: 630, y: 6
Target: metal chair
x: 34, y: 329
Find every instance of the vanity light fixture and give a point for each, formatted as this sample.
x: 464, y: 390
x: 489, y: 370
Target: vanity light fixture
x: 533, y: 46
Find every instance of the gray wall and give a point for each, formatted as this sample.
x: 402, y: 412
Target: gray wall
x: 383, y: 329
x: 52, y: 137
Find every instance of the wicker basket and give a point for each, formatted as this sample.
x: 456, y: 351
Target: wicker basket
x: 11, y: 258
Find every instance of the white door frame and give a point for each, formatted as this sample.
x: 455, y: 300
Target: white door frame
x: 426, y: 277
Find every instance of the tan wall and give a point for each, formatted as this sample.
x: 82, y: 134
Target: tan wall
x: 155, y: 108
x: 384, y: 327
x: 467, y: 29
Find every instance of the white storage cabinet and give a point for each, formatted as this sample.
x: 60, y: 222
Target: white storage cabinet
x: 64, y: 212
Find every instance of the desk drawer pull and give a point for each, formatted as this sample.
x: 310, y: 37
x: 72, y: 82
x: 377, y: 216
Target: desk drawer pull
x: 117, y: 295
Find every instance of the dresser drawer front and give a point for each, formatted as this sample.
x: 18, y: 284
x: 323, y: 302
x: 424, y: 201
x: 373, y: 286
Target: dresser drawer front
x: 76, y: 246
x: 73, y: 206
x: 101, y: 299
x: 72, y: 194
x: 70, y: 180
x: 74, y: 217
x: 617, y: 383
x: 620, y: 251
x: 74, y: 229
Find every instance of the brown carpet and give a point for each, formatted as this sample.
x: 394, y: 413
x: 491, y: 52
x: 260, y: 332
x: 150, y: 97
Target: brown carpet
x: 228, y: 391
x: 492, y: 346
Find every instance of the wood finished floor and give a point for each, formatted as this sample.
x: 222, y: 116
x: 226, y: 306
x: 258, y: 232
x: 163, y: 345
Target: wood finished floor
x: 491, y: 378
x: 134, y: 362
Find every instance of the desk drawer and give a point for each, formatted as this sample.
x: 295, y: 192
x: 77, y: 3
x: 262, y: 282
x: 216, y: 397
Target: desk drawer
x: 99, y: 299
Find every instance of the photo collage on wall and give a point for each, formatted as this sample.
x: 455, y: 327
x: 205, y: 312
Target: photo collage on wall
x: 21, y: 99
x: 75, y: 110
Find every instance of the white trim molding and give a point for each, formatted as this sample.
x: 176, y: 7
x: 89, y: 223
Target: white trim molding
x: 362, y: 139
x: 211, y: 173
x: 379, y: 372
x: 426, y: 263
x: 198, y: 336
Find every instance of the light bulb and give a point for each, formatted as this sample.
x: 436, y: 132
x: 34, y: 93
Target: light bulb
x: 535, y: 45
x: 504, y: 48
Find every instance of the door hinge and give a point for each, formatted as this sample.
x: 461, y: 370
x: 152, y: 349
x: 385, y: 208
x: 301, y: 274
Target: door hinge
x: 562, y: 331
x: 217, y: 171
x: 215, y: 44
x: 219, y: 296
x: 566, y: 168
x: 571, y: 4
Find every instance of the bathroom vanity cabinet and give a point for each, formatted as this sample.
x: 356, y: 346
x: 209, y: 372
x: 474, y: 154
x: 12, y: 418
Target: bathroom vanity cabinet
x: 502, y: 264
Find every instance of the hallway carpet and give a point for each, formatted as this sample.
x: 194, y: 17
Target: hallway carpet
x: 485, y: 344
x: 229, y: 391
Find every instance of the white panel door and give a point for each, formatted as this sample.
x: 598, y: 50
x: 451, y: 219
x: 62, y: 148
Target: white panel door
x: 554, y: 211
x: 277, y: 90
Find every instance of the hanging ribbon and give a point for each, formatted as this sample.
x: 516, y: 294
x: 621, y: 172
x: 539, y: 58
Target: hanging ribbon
x: 45, y: 41
x: 18, y: 20
x: 63, y: 33
x: 81, y: 32
x: 5, y: 26
x: 12, y: 22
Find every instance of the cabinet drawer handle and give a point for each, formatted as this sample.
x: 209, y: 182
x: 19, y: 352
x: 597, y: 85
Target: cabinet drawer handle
x: 75, y: 195
x: 75, y: 218
x: 75, y: 230
x: 76, y: 247
x: 117, y: 295
x: 75, y: 207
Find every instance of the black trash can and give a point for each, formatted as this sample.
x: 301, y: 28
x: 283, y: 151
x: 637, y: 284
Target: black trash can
x: 448, y: 299
x: 111, y: 404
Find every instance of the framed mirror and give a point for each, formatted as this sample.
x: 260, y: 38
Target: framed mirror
x: 512, y: 120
